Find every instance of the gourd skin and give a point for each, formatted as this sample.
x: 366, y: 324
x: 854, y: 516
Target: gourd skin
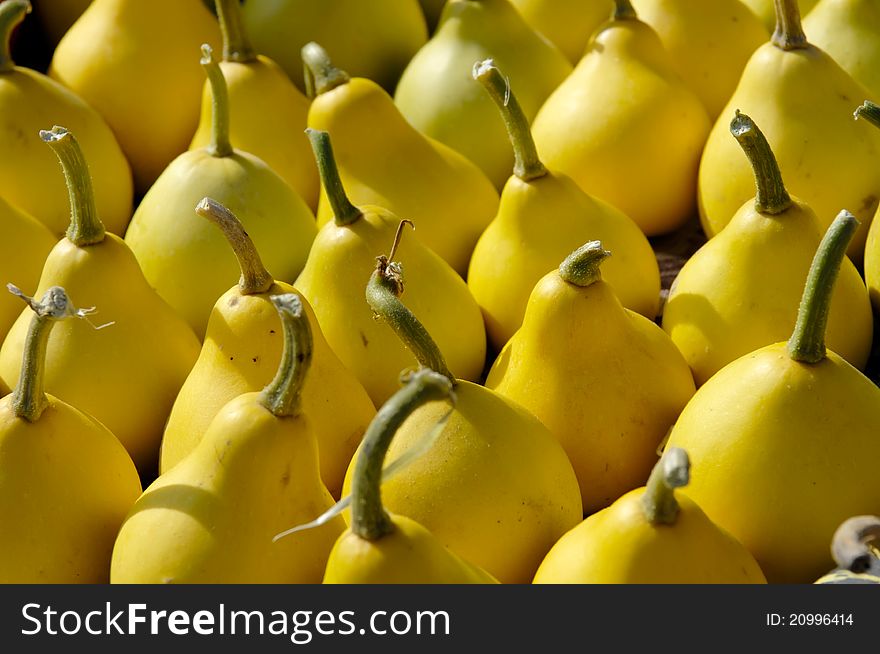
x: 134, y: 62
x: 567, y: 23
x: 619, y: 545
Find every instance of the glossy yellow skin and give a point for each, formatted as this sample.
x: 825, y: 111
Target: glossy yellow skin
x: 619, y: 545
x: 849, y: 31
x: 186, y: 258
x: 567, y: 23
x: 65, y: 486
x: 125, y: 375
x: 607, y: 382
x: 29, y: 176
x: 240, y: 355
x: 384, y: 161
x: 782, y: 449
x: 137, y: 63
x: 626, y: 129
x: 741, y: 291
x: 804, y: 103
x: 541, y: 222
x: 438, y: 95
x: 334, y: 282
x: 267, y: 117
x: 508, y: 490
x: 24, y: 247
x: 372, y: 39
x: 710, y: 43
x: 58, y: 15
x: 212, y: 518
x: 408, y: 555
x: 766, y: 11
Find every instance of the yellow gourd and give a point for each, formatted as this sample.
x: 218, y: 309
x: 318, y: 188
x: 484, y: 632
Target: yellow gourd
x: 383, y: 548
x: 185, y: 259
x: 65, y: 481
x: 651, y: 535
x: 28, y: 171
x: 267, y: 112
x: 341, y: 259
x: 240, y: 354
x: 871, y: 112
x: 567, y: 23
x: 784, y: 440
x: 128, y: 374
x: 625, y: 127
x: 542, y: 217
x: 384, y: 161
x: 212, y: 518
x: 737, y: 293
x: 607, y: 382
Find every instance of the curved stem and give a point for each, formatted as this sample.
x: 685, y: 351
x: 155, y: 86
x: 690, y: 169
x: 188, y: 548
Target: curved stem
x: 672, y: 471
x: 319, y: 72
x: 581, y: 267
x: 12, y: 12
x: 368, y: 517
x: 85, y: 227
x: 254, y: 276
x: 856, y: 543
x: 789, y: 34
x: 282, y: 395
x: 527, y: 166
x: 220, y: 145
x: 236, y: 44
x: 344, y: 212
x: 870, y: 112
x: 623, y: 10
x: 807, y: 343
x: 771, y: 197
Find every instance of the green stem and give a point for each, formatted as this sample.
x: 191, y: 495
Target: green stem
x: 254, y: 276
x: 236, y: 44
x: 771, y: 198
x: 369, y: 519
x: 856, y: 543
x: 623, y: 10
x: 789, y: 34
x: 282, y: 395
x: 344, y: 212
x: 527, y: 166
x: 85, y: 227
x: 12, y: 12
x: 220, y: 145
x: 870, y: 112
x: 319, y: 72
x: 807, y: 343
x: 672, y: 471
x: 29, y: 399
x: 582, y: 267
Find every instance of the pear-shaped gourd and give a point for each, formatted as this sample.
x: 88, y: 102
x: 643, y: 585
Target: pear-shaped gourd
x: 607, y: 382
x: 567, y: 23
x: 267, y: 112
x: 332, y: 281
x: 542, y: 217
x: 66, y: 483
x: 128, y: 374
x: 737, y: 293
x: 240, y: 354
x: 384, y: 161
x: 374, y: 39
x: 871, y: 112
x: 856, y: 551
x: 437, y: 95
x: 383, y: 548
x: 709, y: 42
x: 625, y: 127
x: 803, y: 101
x: 651, y: 535
x: 849, y: 31
x: 187, y: 260
x: 212, y: 518
x: 131, y: 60
x: 495, y: 487
x: 766, y: 10
x: 24, y: 247
x: 28, y: 172
x: 784, y: 440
